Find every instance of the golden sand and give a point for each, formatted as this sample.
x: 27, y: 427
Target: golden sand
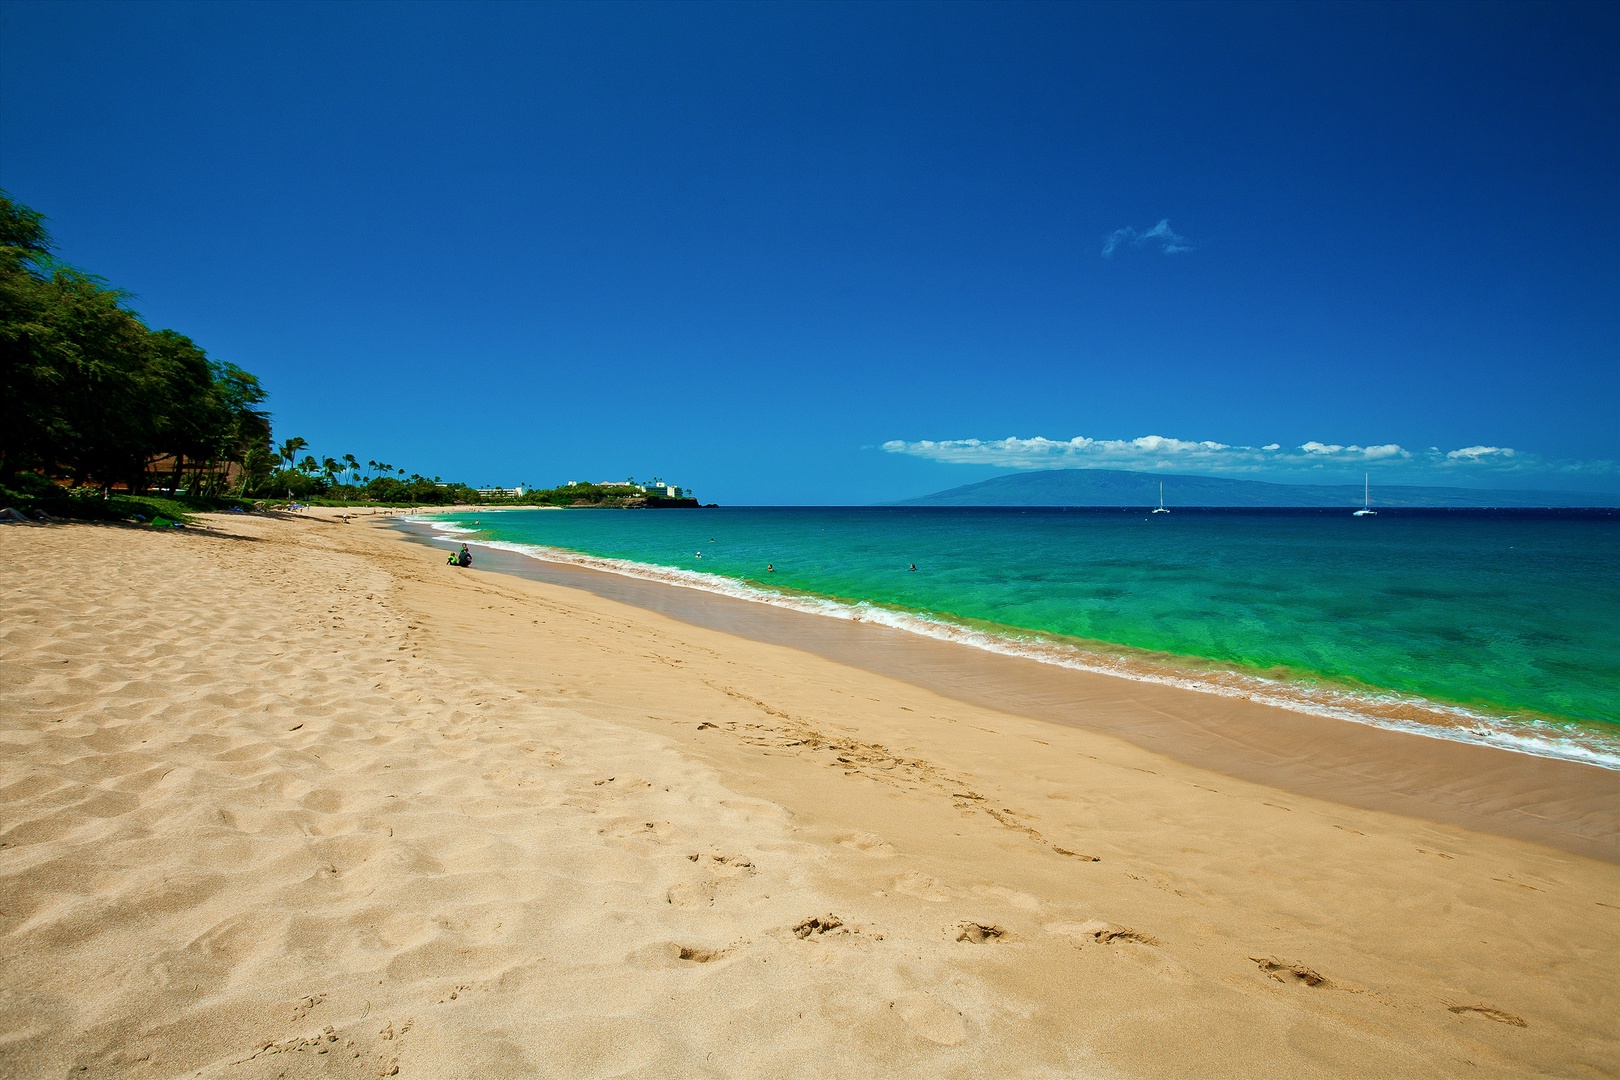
x: 289, y: 797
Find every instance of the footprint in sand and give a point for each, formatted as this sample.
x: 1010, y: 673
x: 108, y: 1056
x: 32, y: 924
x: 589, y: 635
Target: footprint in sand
x: 930, y: 1018
x: 1008, y: 896
x: 868, y: 844
x: 820, y: 926
x: 1285, y: 971
x: 305, y: 1004
x: 1488, y: 1013
x: 699, y: 955
x: 657, y: 832
x: 720, y: 872
x: 980, y: 933
x: 671, y: 954
x: 1104, y: 933
x: 923, y: 887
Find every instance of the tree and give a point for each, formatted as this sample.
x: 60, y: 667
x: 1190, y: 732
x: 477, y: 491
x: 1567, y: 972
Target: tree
x: 94, y: 395
x: 247, y: 427
x: 289, y: 450
x: 256, y: 465
x: 30, y: 353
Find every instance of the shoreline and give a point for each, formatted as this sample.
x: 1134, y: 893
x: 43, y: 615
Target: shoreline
x: 1522, y: 730
x: 289, y: 795
x: 1568, y: 804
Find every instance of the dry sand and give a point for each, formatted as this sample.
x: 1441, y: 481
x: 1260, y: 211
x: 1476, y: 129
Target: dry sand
x: 289, y: 797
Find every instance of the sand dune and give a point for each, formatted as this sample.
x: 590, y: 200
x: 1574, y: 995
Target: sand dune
x: 291, y: 798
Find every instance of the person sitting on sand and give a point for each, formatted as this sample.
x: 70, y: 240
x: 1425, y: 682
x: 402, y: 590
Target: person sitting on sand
x: 464, y: 558
x: 451, y: 561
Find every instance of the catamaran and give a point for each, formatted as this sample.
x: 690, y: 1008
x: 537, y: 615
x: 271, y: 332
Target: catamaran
x: 1366, y: 498
x: 1161, y: 509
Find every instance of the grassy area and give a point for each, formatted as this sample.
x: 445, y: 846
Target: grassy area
x: 31, y: 495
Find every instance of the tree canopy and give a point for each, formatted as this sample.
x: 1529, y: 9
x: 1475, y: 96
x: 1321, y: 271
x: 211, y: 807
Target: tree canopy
x: 96, y: 396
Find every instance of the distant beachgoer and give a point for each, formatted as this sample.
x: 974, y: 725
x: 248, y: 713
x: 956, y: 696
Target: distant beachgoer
x: 464, y: 557
x: 451, y: 561
x: 914, y: 566
x: 769, y: 568
x: 699, y: 555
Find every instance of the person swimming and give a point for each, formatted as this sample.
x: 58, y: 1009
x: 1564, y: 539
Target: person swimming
x: 913, y: 566
x: 770, y: 568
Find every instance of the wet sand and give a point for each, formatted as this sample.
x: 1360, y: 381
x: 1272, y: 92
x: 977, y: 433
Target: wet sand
x: 1560, y: 803
x: 290, y: 797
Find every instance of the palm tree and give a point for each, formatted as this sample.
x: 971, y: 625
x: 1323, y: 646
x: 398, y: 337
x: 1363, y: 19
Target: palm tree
x: 289, y: 450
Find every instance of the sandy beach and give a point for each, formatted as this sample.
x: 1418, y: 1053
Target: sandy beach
x: 287, y: 796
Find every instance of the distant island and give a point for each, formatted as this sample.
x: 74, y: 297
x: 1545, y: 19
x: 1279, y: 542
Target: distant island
x: 1119, y: 487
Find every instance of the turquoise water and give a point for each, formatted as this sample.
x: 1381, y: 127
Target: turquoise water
x: 1492, y: 627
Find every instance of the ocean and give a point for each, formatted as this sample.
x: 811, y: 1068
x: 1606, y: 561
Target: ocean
x: 1483, y: 626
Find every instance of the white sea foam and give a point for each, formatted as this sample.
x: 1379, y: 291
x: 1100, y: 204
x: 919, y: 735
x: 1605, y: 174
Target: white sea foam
x: 1524, y: 735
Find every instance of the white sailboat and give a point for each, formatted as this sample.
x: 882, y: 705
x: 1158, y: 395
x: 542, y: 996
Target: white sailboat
x: 1161, y: 509
x: 1366, y: 498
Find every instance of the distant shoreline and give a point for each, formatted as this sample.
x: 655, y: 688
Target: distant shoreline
x: 1119, y: 487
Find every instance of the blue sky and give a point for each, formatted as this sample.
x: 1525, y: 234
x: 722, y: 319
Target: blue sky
x: 842, y: 253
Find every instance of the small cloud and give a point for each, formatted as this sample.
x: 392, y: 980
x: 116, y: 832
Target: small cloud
x: 1478, y: 453
x: 1166, y: 238
x: 1116, y: 238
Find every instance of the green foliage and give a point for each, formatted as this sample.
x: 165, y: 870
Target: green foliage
x: 626, y: 494
x: 95, y: 396
x: 22, y: 228
x: 417, y: 489
x: 291, y: 484
x: 34, y: 493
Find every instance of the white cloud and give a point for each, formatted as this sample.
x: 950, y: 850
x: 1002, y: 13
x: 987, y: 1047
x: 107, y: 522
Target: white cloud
x: 1167, y: 239
x: 1116, y: 238
x: 1479, y: 453
x: 1162, y: 452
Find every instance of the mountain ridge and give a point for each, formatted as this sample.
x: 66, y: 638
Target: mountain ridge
x: 1122, y: 487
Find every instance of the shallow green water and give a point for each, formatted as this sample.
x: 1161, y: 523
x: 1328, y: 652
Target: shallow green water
x: 1509, y: 615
